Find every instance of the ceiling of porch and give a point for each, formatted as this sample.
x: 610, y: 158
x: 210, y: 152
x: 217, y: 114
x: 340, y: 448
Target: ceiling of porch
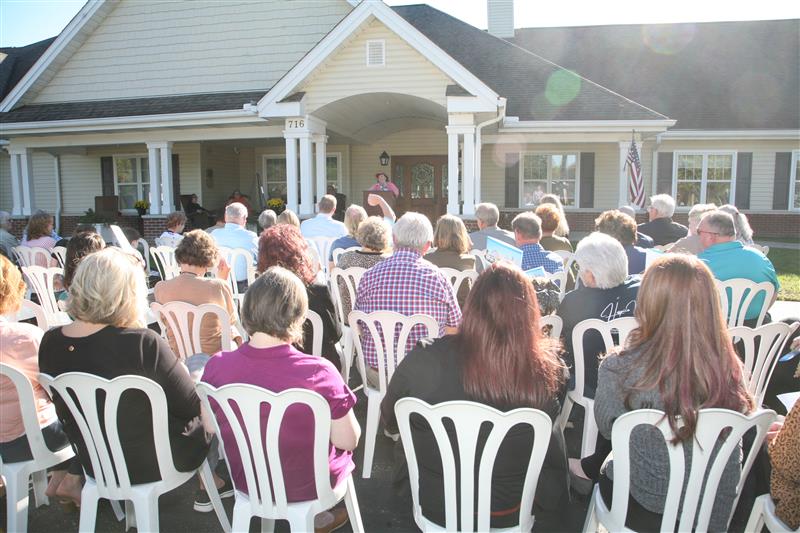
x: 366, y: 118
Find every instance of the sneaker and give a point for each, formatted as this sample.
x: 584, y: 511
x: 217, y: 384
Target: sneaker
x: 329, y: 521
x: 202, y: 502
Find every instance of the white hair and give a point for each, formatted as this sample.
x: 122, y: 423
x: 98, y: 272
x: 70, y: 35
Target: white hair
x: 267, y: 218
x: 698, y: 210
x: 664, y: 205
x: 604, y: 257
x: 487, y: 213
x: 235, y: 211
x: 353, y: 217
x: 412, y: 230
x: 628, y: 210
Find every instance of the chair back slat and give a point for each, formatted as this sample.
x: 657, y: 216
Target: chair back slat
x: 468, y: 418
x: 556, y: 325
x: 459, y: 277
x: 348, y: 278
x: 390, y: 352
x: 622, y: 326
x: 80, y: 392
x: 41, y: 281
x: 60, y: 254
x: 240, y: 406
x: 164, y: 259
x: 32, y: 256
x: 718, y: 435
x: 760, y: 362
x: 337, y: 253
x: 322, y: 247
x: 736, y: 296
x: 317, y: 332
x: 185, y: 321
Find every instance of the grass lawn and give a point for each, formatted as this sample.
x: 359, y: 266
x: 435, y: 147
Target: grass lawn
x: 787, y: 264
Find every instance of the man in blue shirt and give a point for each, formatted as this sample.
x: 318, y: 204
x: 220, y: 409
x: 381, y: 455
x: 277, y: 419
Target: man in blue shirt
x: 323, y: 225
x: 527, y: 232
x: 234, y: 235
x: 728, y: 258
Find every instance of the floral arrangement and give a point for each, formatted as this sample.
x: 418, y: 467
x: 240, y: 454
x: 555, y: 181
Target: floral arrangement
x: 141, y: 204
x: 276, y: 204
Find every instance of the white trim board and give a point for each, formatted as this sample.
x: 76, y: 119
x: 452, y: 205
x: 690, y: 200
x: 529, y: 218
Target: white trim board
x: 730, y: 134
x: 347, y: 26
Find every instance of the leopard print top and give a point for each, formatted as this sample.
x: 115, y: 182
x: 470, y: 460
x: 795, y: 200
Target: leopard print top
x: 784, y: 453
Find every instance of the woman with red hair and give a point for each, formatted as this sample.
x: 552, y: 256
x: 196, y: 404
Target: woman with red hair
x: 499, y: 358
x: 283, y: 245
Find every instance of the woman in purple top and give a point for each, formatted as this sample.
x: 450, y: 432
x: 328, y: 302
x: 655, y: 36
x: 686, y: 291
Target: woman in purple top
x: 273, y: 313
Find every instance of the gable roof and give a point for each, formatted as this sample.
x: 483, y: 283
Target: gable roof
x: 17, y: 62
x: 708, y: 76
x: 521, y: 76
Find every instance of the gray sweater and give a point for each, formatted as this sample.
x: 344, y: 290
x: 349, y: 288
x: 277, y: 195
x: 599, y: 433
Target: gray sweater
x: 648, y: 452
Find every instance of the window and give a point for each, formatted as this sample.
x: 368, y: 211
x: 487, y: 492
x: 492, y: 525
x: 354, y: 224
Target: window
x: 794, y: 182
x: 275, y: 173
x: 549, y: 173
x: 702, y: 177
x: 131, y: 179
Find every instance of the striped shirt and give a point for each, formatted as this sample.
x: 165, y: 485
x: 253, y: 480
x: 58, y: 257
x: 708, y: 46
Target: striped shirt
x: 406, y: 283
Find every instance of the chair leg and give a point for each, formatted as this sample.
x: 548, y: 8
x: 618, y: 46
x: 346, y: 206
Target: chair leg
x: 347, y: 355
x: 353, y: 511
x: 300, y: 521
x: 146, y: 510
x: 565, y: 412
x: 591, y: 522
x: 756, y: 521
x: 39, y: 488
x: 241, y: 516
x: 589, y: 439
x: 373, y: 414
x: 17, y: 501
x: 267, y: 525
x: 208, y: 481
x: 118, y: 512
x: 88, y: 509
x: 129, y: 515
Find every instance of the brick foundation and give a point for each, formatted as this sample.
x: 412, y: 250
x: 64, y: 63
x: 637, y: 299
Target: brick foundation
x: 154, y: 225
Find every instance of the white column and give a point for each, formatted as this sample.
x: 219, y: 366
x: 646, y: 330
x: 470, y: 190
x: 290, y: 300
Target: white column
x: 452, y: 172
x: 291, y: 173
x: 26, y: 177
x: 167, y: 203
x: 154, y: 169
x: 320, y: 145
x: 17, y: 205
x: 623, y: 174
x: 306, y: 177
x: 469, y: 174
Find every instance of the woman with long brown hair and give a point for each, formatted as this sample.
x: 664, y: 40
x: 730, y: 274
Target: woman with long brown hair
x: 500, y: 358
x: 680, y: 360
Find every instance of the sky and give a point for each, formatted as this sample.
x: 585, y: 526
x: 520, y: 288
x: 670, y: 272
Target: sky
x: 28, y: 21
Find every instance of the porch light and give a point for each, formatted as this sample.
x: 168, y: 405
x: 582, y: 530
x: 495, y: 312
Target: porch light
x: 384, y: 158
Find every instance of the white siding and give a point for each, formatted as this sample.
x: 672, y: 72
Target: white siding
x: 44, y: 182
x: 763, y: 171
x: 6, y: 198
x: 221, y: 161
x: 346, y: 74
x: 148, y: 48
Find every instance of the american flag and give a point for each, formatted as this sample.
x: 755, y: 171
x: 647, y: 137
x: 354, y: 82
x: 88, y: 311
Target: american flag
x: 635, y: 185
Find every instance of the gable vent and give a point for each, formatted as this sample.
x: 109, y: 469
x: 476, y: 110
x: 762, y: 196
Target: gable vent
x: 376, y: 53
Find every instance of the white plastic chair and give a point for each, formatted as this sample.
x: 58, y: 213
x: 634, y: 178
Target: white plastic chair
x: 17, y: 475
x: 322, y: 246
x: 468, y: 419
x: 337, y: 253
x: 389, y: 355
x: 760, y: 363
x: 316, y: 328
x: 568, y: 257
x: 763, y: 514
x: 716, y: 428
x: 32, y: 256
x: 560, y: 279
x: 349, y: 277
x: 111, y: 479
x: 41, y: 281
x: 241, y: 406
x: 458, y: 277
x: 742, y: 292
x: 60, y: 253
x: 481, y: 263
x: 556, y: 325
x: 237, y: 256
x: 623, y: 327
x: 29, y: 310
x: 164, y: 260
x: 145, y: 253
x: 185, y: 321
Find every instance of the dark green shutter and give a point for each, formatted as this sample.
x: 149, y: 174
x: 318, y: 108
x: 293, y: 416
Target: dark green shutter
x: 176, y: 181
x: 664, y: 173
x: 107, y: 175
x: 744, y: 173
x: 780, y: 189
x: 512, y: 180
x: 587, y: 179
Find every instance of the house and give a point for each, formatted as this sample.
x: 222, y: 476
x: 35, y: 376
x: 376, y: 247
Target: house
x: 151, y: 101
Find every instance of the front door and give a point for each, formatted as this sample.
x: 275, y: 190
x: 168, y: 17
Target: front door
x: 420, y: 179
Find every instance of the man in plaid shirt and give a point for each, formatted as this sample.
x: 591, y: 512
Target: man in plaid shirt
x: 408, y: 284
x: 527, y: 232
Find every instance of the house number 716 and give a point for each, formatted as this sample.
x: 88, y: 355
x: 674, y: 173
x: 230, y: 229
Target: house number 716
x: 296, y: 123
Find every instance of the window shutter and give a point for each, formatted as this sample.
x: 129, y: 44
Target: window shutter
x: 664, y: 173
x: 512, y: 180
x: 176, y: 182
x: 587, y: 179
x: 107, y: 175
x: 780, y: 190
x: 744, y: 173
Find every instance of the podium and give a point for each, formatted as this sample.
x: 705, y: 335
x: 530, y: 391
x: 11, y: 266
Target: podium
x: 376, y: 210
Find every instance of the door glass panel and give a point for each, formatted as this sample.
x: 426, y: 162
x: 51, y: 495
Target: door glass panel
x: 398, y: 178
x: 126, y: 170
x: 422, y: 181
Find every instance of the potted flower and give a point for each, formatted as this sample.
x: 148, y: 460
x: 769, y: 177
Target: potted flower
x: 277, y: 205
x: 141, y: 206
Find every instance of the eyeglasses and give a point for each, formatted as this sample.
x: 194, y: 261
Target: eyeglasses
x: 701, y: 231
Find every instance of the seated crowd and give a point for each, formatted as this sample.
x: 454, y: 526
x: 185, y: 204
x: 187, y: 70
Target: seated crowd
x: 489, y: 347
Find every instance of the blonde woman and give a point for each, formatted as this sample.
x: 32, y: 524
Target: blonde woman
x: 563, y: 227
x: 452, y: 243
x: 289, y: 217
x: 108, y: 297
